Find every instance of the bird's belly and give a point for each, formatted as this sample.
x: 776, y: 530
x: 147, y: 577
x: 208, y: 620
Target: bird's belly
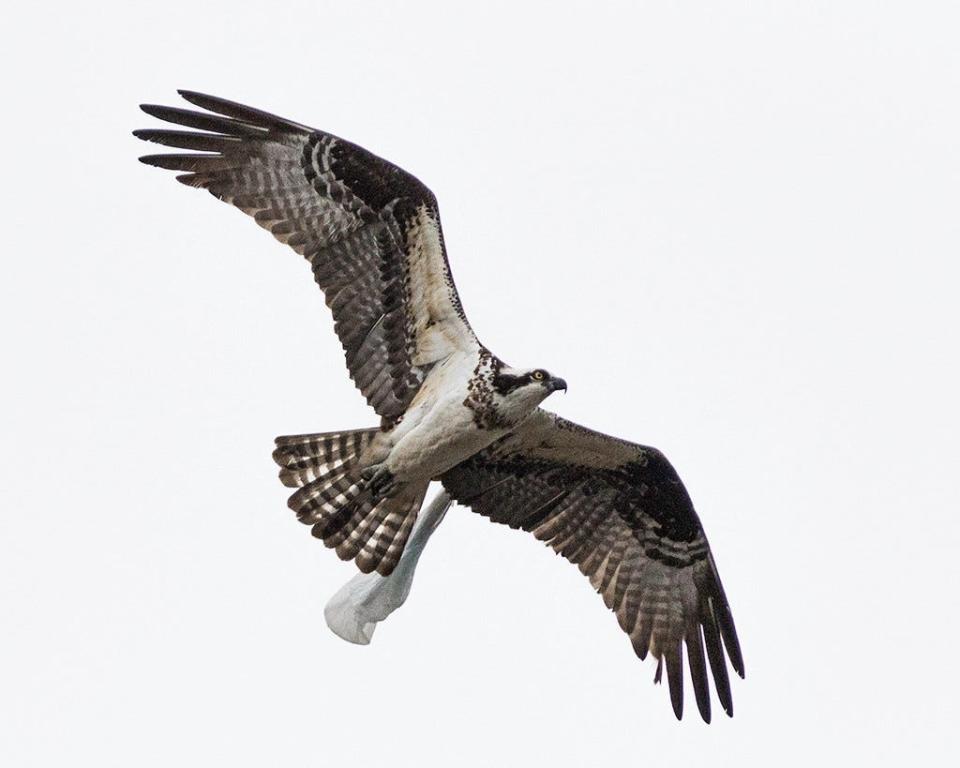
x: 442, y: 439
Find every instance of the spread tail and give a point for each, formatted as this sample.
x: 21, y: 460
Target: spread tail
x: 334, y: 498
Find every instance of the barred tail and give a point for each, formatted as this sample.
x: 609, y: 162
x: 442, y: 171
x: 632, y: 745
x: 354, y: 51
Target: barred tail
x: 332, y: 498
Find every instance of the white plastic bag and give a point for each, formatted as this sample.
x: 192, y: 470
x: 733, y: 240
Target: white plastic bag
x: 368, y: 598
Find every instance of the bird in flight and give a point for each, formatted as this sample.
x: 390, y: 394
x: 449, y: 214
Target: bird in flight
x: 450, y: 410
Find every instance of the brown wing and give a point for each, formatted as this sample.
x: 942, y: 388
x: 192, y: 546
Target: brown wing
x: 619, y: 511
x: 370, y: 231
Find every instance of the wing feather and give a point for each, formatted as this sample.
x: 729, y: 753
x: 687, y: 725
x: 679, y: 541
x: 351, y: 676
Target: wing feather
x: 370, y: 231
x: 620, y: 513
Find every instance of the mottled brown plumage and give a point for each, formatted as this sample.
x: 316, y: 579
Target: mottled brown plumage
x: 620, y: 513
x: 449, y: 408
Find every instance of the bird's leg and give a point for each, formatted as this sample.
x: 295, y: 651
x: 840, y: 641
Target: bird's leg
x: 379, y: 480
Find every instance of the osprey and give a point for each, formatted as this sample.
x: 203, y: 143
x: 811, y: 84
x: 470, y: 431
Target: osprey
x: 450, y: 409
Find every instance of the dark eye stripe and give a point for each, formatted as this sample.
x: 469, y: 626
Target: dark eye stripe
x: 505, y: 383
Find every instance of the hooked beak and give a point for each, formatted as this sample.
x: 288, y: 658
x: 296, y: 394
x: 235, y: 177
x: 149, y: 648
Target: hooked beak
x: 556, y: 383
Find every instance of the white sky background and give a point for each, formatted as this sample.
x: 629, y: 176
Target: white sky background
x: 732, y: 227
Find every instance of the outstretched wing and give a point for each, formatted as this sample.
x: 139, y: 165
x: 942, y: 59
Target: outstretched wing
x: 619, y: 511
x: 370, y: 231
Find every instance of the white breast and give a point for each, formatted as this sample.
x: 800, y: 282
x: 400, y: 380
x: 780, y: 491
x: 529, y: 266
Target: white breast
x: 438, y: 431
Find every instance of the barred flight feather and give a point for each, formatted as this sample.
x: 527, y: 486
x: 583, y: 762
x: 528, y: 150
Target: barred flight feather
x: 325, y: 468
x: 619, y: 512
x: 363, y: 224
x: 371, y: 234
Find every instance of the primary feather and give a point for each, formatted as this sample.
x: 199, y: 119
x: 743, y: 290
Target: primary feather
x: 450, y: 409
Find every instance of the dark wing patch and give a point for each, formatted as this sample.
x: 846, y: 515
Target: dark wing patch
x: 370, y: 231
x: 620, y: 513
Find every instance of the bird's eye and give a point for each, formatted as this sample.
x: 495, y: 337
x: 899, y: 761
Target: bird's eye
x: 538, y: 375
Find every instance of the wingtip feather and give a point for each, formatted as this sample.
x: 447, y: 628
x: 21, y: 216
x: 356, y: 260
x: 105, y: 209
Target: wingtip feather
x: 152, y: 109
x: 195, y: 96
x: 675, y: 679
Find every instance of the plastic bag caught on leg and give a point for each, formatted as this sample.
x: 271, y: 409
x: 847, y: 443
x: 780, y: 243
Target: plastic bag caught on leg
x: 368, y: 598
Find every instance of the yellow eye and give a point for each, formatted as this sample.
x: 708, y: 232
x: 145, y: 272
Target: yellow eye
x: 538, y: 375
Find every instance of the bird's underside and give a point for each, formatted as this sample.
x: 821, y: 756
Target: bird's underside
x: 450, y: 410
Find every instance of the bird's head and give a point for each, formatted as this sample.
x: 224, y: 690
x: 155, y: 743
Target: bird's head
x: 518, y: 392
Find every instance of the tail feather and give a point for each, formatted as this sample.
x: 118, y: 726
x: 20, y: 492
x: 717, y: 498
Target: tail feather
x: 390, y: 549
x: 322, y: 497
x: 305, y: 458
x: 378, y: 541
x: 332, y: 497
